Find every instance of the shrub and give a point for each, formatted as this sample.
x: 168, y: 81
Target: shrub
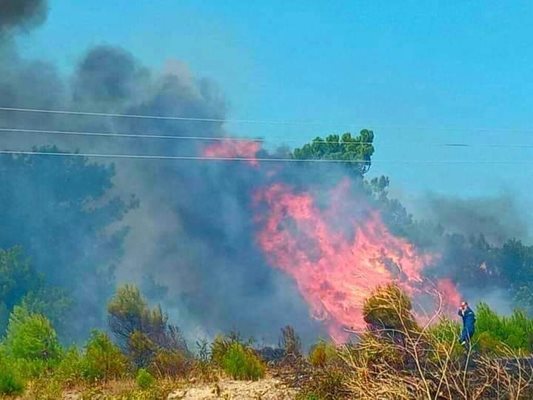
x: 129, y: 313
x: 290, y: 342
x: 329, y: 383
x: 487, y: 343
x: 31, y: 336
x: 373, y: 350
x: 322, y: 354
x: 203, y: 364
x: 514, y: 331
x: 389, y: 308
x: 45, y: 388
x: 444, y: 331
x: 170, y: 363
x: 103, y: 360
x: 144, y: 379
x: 220, y: 347
x: 241, y: 363
x: 69, y: 369
x: 443, y: 338
x: 427, y: 364
x: 141, y: 349
x: 11, y: 381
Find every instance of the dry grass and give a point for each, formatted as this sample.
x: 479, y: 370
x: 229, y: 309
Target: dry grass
x: 423, y: 365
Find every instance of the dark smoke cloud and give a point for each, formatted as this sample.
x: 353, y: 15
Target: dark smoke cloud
x: 108, y: 76
x: 496, y: 218
x: 22, y: 14
x: 190, y: 242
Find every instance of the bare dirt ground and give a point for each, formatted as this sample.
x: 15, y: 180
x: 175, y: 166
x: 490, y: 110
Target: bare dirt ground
x: 264, y: 389
x: 269, y: 388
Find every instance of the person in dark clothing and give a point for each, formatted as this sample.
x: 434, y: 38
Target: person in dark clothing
x: 469, y: 322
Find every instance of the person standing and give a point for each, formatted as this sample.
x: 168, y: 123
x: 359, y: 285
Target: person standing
x: 469, y: 322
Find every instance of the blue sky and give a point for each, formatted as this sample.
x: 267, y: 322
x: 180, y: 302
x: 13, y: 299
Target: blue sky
x: 420, y: 73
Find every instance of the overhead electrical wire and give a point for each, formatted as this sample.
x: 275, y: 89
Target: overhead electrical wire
x: 143, y: 116
x: 168, y: 157
x: 235, y: 138
x: 215, y: 138
x: 253, y: 159
x: 129, y: 135
x: 250, y: 121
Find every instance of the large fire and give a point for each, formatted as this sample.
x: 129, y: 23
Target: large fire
x: 337, y: 254
x: 234, y: 149
x: 335, y: 271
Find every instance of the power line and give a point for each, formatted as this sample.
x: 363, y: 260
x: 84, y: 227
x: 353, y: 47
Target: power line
x: 159, y: 117
x: 252, y: 159
x: 250, y: 121
x: 240, y: 139
x: 130, y: 135
x: 163, y: 157
x: 153, y: 136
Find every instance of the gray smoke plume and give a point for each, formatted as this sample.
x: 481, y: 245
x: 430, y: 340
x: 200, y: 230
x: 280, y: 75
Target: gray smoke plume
x: 190, y: 242
x: 22, y: 14
x: 496, y: 218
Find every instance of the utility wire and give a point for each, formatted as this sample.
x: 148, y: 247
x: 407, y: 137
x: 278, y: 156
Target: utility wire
x: 239, y: 139
x: 163, y: 157
x: 163, y: 117
x: 130, y: 135
x: 248, y: 121
x: 252, y: 159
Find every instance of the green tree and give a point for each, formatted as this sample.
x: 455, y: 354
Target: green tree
x: 11, y: 381
x: 240, y: 362
x: 103, y: 360
x: 16, y: 279
x: 31, y: 336
x: 59, y: 210
x: 21, y: 284
x: 355, y: 151
x: 493, y: 330
x: 515, y: 266
x: 140, y: 330
x: 144, y: 379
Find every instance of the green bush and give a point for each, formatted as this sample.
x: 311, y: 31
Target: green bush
x: 389, y: 308
x: 103, y: 360
x: 70, y: 367
x: 219, y: 348
x: 140, y: 349
x: 322, y: 353
x: 445, y: 331
x: 44, y: 388
x: 443, y: 338
x: 241, y: 363
x: 222, y: 344
x: 495, y: 332
x: 290, y: 342
x: 328, y: 383
x: 31, y: 336
x: 488, y: 344
x: 170, y: 363
x: 144, y: 379
x: 11, y: 381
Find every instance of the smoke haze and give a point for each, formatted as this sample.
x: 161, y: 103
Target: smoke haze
x: 189, y: 235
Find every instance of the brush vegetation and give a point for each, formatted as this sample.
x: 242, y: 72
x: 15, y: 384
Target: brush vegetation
x: 394, y: 358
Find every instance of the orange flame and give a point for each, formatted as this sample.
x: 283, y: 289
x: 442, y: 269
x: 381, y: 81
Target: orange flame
x: 234, y: 149
x: 335, y: 272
